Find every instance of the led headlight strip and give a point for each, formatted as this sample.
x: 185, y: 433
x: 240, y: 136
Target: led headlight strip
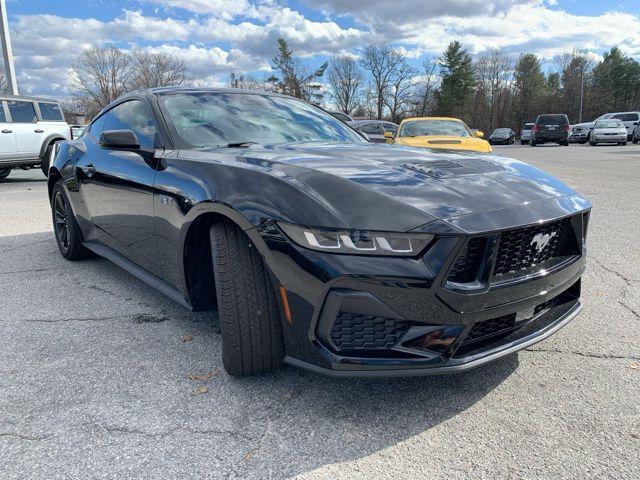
x: 357, y: 242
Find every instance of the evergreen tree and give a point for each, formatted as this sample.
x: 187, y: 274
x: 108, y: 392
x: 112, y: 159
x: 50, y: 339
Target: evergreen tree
x: 529, y: 84
x: 458, y: 81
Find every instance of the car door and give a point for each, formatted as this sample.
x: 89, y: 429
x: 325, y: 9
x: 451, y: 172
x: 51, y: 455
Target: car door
x: 629, y: 120
x: 25, y: 127
x: 117, y: 184
x: 8, y: 142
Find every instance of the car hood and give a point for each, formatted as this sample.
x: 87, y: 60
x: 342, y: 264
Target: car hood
x: 447, y: 142
x: 387, y: 187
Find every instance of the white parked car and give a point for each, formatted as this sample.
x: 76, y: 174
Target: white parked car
x: 29, y: 129
x: 610, y: 130
x: 630, y: 120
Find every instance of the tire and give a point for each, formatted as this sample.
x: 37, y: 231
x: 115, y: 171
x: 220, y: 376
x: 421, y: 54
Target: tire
x: 252, y: 340
x: 65, y: 226
x: 635, y: 140
x: 4, y: 173
x: 593, y: 144
x: 522, y: 142
x: 532, y: 143
x: 624, y: 144
x: 47, y: 158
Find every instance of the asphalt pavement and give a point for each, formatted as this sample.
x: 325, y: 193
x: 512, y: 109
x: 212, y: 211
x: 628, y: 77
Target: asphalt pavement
x: 102, y: 377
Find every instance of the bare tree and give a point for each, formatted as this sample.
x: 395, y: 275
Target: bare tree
x: 382, y: 63
x: 100, y: 76
x: 401, y: 89
x: 426, y: 87
x: 157, y: 70
x: 345, y: 82
x: 246, y: 82
x: 494, y: 73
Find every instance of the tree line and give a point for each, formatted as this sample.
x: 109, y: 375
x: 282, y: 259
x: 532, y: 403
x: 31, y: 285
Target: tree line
x: 488, y: 91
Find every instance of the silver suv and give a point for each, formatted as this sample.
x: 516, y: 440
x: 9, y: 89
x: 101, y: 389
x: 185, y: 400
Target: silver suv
x: 29, y: 129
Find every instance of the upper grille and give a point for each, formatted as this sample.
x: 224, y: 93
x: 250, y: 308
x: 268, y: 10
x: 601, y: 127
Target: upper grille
x: 466, y: 266
x: 365, y: 332
x: 523, y: 248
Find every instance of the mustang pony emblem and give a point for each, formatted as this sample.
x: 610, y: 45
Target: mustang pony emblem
x: 540, y: 241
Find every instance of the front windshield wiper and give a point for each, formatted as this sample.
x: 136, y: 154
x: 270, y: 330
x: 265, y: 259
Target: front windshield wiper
x: 238, y: 144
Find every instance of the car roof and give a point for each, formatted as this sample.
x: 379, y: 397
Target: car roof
x: 27, y: 98
x: 362, y: 122
x: 410, y: 119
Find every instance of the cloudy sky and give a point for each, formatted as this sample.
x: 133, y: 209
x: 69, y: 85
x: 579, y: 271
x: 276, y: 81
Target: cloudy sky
x: 215, y: 37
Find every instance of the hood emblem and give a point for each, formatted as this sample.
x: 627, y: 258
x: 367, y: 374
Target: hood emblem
x: 540, y: 241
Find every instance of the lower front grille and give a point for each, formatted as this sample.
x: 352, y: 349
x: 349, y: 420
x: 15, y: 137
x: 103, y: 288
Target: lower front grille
x: 490, y: 328
x: 466, y: 267
x: 365, y: 332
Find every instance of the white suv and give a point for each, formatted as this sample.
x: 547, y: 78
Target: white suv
x: 29, y: 128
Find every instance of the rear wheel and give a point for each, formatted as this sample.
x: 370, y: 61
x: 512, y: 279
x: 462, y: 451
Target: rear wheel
x: 532, y: 143
x: 66, y: 227
x: 4, y: 173
x: 635, y: 139
x: 252, y: 340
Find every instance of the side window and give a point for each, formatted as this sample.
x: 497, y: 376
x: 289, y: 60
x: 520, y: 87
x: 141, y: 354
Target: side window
x: 370, y: 129
x: 97, y: 127
x: 3, y: 117
x: 390, y: 127
x: 50, y: 112
x: 22, y: 112
x: 134, y: 115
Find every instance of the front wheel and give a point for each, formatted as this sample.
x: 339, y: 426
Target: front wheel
x: 252, y: 340
x: 4, y: 173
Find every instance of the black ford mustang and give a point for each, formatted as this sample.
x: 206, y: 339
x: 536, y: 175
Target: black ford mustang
x: 317, y: 248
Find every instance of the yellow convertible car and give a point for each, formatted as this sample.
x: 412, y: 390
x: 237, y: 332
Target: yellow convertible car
x: 438, y: 132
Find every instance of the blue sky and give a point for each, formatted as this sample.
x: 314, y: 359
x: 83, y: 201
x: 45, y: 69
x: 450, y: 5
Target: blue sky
x: 216, y: 37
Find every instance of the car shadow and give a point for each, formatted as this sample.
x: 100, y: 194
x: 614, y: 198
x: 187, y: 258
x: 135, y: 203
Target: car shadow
x: 162, y: 390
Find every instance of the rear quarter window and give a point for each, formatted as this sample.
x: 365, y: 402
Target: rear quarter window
x: 50, y: 112
x: 626, y: 117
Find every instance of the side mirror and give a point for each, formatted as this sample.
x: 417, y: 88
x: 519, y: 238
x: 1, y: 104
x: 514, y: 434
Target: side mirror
x: 479, y: 134
x: 636, y: 123
x: 388, y: 135
x: 119, y: 139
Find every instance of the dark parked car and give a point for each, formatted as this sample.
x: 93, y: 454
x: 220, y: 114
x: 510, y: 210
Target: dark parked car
x: 318, y: 248
x: 551, y: 128
x: 502, y: 136
x: 375, y: 129
x: 343, y: 117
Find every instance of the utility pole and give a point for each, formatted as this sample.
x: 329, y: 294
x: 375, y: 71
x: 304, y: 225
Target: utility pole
x: 10, y: 72
x: 581, y: 92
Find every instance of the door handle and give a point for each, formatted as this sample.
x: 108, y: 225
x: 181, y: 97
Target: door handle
x: 38, y: 130
x: 6, y: 130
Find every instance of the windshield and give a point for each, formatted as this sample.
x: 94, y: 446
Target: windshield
x: 609, y: 124
x: 501, y: 131
x: 527, y: 126
x: 210, y: 119
x: 418, y: 128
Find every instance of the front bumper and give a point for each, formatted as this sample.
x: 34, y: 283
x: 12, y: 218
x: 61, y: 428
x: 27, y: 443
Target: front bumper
x: 610, y: 138
x: 403, y: 313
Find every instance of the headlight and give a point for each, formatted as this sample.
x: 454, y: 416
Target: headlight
x: 358, y: 242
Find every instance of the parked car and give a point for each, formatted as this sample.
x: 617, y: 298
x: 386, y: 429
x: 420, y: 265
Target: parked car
x: 77, y: 130
x: 375, y: 129
x: 525, y: 133
x: 610, y: 130
x: 550, y: 128
x: 318, y: 248
x: 502, y: 136
x: 580, y: 132
x: 438, y: 132
x: 29, y: 128
x: 343, y: 117
x: 635, y: 137
x: 630, y: 120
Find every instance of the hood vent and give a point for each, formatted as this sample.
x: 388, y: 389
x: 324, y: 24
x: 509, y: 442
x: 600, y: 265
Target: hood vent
x: 449, y: 168
x: 444, y: 142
